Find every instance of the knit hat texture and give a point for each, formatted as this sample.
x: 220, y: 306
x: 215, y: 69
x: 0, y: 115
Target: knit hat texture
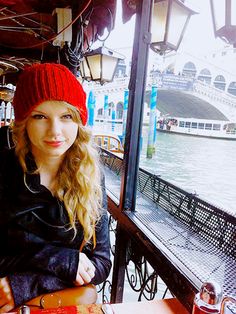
x: 47, y: 81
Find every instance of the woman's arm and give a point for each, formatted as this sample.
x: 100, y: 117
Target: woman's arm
x: 57, y: 261
x: 6, y: 299
x: 100, y: 255
x: 28, y: 285
x: 68, y: 264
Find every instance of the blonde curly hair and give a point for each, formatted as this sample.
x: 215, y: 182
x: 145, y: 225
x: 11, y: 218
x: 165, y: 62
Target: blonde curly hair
x: 78, y: 183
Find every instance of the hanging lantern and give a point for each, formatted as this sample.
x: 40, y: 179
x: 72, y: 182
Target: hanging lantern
x: 84, y: 70
x: 169, y: 22
x: 100, y: 64
x: 224, y: 20
x: 6, y: 93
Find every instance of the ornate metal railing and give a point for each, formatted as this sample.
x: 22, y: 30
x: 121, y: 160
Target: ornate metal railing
x: 223, y: 101
x: 210, y: 222
x: 210, y: 232
x: 141, y: 278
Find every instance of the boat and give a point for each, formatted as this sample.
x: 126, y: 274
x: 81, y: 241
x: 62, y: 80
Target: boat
x: 110, y: 142
x: 198, y: 127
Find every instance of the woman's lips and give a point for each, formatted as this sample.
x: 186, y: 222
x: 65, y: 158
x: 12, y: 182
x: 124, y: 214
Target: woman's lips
x: 54, y: 143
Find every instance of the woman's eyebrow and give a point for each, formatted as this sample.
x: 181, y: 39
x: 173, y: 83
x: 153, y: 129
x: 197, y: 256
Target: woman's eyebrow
x: 38, y: 111
x: 42, y: 112
x: 66, y: 112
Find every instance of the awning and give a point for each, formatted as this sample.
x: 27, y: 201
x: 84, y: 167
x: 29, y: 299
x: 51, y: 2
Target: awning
x: 29, y: 27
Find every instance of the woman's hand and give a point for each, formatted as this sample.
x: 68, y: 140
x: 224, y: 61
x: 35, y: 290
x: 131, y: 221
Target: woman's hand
x: 85, y: 271
x: 6, y: 297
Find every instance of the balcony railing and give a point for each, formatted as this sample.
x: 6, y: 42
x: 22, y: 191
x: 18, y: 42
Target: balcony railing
x: 185, y: 239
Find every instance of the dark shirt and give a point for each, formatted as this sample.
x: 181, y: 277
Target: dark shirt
x: 39, y: 253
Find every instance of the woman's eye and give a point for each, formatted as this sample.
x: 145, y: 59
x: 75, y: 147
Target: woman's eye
x: 38, y: 116
x: 67, y: 116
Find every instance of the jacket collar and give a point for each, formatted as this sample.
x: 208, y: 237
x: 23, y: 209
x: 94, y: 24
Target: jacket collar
x: 32, y: 180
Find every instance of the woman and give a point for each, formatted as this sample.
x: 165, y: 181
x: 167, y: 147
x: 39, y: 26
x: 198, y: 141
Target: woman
x: 54, y: 226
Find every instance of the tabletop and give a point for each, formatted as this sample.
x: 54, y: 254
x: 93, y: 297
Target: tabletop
x: 166, y: 306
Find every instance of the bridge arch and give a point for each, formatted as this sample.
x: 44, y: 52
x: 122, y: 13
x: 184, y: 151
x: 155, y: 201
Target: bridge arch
x: 189, y: 69
x: 205, y: 76
x: 232, y: 88
x: 219, y: 82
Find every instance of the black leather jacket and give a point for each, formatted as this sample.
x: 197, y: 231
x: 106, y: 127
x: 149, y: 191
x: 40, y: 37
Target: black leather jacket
x: 38, y: 253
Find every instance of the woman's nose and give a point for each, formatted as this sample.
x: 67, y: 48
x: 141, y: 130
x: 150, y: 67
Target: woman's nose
x: 55, y: 127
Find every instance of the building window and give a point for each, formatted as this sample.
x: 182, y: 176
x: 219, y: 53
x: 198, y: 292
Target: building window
x: 201, y: 126
x: 208, y: 126
x: 194, y: 125
x: 216, y: 127
x: 100, y: 112
x: 119, y: 110
x: 187, y: 124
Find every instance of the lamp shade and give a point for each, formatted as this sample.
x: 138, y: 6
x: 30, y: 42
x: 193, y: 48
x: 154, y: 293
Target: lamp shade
x: 84, y: 70
x: 169, y: 21
x: 100, y: 64
x: 6, y: 93
x: 224, y: 19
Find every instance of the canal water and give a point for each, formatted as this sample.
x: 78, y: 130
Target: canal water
x: 198, y: 165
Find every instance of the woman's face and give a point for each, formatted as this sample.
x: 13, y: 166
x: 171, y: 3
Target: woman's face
x: 51, y: 129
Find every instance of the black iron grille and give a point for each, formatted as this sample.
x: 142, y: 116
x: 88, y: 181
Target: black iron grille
x: 200, y: 235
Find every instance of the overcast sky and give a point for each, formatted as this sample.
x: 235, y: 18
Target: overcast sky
x: 199, y: 34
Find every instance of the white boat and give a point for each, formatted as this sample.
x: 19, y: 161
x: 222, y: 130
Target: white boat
x: 198, y: 127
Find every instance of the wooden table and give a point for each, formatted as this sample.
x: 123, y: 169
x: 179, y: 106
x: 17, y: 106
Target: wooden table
x: 166, y: 306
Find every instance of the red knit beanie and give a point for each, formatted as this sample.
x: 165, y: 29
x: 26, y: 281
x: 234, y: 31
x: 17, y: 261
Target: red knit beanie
x: 47, y: 81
